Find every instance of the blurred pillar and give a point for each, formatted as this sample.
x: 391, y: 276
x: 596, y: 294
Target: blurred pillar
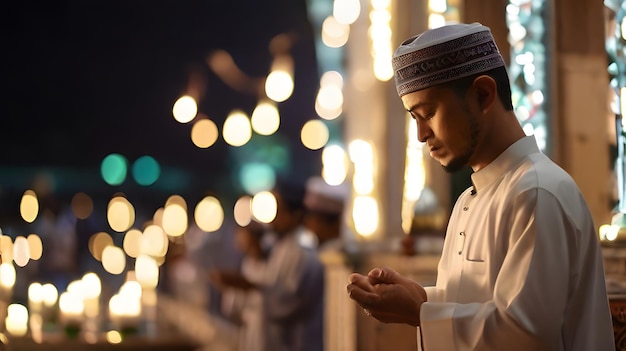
x: 375, y: 114
x: 491, y: 13
x: 578, y: 64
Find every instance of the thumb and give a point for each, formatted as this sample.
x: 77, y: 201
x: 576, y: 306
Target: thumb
x: 384, y: 275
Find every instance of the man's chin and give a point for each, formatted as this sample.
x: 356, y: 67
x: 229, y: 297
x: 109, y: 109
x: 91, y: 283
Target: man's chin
x: 447, y: 168
x: 453, y: 166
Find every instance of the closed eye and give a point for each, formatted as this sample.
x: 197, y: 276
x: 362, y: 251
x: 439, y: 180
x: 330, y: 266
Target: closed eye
x: 417, y: 116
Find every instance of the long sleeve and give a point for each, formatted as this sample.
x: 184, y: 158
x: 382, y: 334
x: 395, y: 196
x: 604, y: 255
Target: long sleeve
x: 522, y: 294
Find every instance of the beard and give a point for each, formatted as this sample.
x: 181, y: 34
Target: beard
x: 457, y: 163
x: 462, y: 160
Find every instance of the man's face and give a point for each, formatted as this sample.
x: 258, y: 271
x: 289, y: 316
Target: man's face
x: 321, y: 225
x: 312, y: 221
x: 446, y: 124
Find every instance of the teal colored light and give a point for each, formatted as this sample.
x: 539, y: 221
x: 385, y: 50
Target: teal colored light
x: 146, y: 170
x: 273, y: 152
x: 114, y: 168
x: 255, y: 177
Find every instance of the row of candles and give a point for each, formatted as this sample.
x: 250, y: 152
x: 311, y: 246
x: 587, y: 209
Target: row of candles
x: 78, y: 309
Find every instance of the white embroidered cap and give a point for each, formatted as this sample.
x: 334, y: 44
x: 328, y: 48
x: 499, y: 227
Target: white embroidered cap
x: 444, y: 54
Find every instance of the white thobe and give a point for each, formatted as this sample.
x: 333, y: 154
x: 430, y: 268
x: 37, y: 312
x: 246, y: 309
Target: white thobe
x: 521, y: 267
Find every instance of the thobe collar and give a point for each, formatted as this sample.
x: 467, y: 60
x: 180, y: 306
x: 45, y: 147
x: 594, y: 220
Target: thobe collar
x: 509, y: 158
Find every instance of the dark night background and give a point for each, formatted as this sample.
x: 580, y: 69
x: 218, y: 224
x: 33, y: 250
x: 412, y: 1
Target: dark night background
x: 83, y: 79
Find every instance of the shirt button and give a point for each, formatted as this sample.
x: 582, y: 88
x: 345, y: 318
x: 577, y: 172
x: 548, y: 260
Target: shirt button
x: 462, y: 243
x: 465, y: 208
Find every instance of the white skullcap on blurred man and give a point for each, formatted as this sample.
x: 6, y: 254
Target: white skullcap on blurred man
x: 323, y: 197
x: 324, y: 205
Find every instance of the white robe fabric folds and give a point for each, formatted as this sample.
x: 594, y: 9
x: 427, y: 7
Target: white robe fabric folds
x: 521, y: 267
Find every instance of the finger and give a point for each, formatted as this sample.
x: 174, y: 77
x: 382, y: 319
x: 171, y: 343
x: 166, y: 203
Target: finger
x: 361, y: 281
x: 363, y: 297
x: 373, y: 276
x: 384, y: 275
x: 354, y: 277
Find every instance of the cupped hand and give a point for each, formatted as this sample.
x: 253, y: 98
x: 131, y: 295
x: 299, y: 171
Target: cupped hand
x: 387, y: 296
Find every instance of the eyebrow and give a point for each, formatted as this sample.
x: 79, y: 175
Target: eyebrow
x: 414, y: 106
x: 418, y: 105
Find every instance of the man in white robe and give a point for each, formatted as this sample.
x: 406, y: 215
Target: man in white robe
x: 521, y: 267
x: 290, y: 283
x: 293, y: 286
x: 324, y: 213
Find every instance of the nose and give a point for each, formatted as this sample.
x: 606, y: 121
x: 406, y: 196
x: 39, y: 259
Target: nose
x: 423, y: 132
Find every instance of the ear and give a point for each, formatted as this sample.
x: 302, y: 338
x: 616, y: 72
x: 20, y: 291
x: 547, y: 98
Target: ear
x: 486, y: 92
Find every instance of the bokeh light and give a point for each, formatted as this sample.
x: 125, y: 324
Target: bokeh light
x: 204, y: 133
x: 279, y: 85
x: 35, y: 246
x: 7, y: 275
x: 439, y: 6
x: 71, y: 304
x: 265, y: 118
x: 346, y: 11
x: 113, y: 337
x: 334, y: 164
x: 365, y: 215
x: 17, y: 319
x: 98, y: 242
x: 6, y: 248
x: 50, y: 294
x: 361, y: 154
x: 131, y: 243
x: 209, y: 214
x: 380, y: 34
x: 237, y: 130
x: 176, y: 200
x: 146, y: 170
x: 314, y: 134
x: 147, y: 271
x: 120, y: 214
x: 29, y: 206
x: 154, y: 241
x: 35, y: 292
x: 185, y: 109
x: 175, y: 219
x: 114, y: 168
x: 257, y: 177
x: 21, y: 251
x: 334, y: 34
x: 92, y: 286
x: 113, y: 260
x: 329, y: 100
x: 264, y: 206
x: 82, y: 205
x: 242, y: 211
